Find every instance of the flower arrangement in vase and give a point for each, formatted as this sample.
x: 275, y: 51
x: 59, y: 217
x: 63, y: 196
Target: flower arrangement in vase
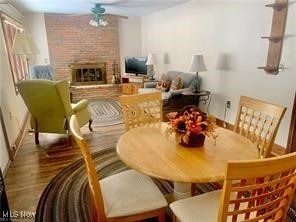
x: 191, y: 126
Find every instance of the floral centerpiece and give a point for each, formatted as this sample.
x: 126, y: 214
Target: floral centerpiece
x: 191, y: 125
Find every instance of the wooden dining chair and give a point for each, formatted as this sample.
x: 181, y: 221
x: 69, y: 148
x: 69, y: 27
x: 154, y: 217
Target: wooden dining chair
x: 126, y: 196
x: 264, y: 193
x: 259, y: 122
x: 141, y: 109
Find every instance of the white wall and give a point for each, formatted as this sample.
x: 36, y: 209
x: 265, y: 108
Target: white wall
x: 35, y: 25
x: 228, y: 34
x: 4, y: 158
x: 129, y: 38
x: 13, y: 108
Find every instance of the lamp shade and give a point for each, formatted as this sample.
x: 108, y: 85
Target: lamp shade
x: 23, y: 45
x: 150, y: 59
x: 197, y: 64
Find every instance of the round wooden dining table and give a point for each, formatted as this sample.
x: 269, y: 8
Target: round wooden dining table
x: 153, y: 151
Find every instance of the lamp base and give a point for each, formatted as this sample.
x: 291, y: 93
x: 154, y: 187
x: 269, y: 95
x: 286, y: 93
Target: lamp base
x: 196, y: 89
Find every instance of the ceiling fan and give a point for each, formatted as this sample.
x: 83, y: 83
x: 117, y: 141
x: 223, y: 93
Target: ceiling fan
x: 98, y: 12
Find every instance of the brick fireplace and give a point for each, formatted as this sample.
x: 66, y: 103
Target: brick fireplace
x: 88, y: 73
x: 71, y: 40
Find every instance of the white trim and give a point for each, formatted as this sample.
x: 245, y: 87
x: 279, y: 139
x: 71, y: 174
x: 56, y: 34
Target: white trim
x: 4, y: 171
x: 12, y: 22
x: 10, y: 10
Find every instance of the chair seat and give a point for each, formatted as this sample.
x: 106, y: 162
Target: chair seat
x: 203, y: 207
x: 130, y: 192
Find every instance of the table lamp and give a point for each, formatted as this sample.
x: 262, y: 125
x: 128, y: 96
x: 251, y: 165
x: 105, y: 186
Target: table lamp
x: 150, y: 62
x: 197, y: 65
x: 24, y: 46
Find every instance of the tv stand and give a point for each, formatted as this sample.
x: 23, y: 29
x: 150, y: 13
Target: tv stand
x: 139, y: 75
x: 139, y: 80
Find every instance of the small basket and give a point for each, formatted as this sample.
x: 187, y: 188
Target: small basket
x: 195, y: 140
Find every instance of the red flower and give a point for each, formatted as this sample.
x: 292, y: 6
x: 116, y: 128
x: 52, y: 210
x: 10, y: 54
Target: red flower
x: 196, y: 129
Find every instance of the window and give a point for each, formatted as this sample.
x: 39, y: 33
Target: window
x: 17, y: 64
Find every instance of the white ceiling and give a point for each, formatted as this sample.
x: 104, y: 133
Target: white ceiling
x: 118, y: 7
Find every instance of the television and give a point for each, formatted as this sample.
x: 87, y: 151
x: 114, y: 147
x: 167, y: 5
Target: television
x: 136, y: 65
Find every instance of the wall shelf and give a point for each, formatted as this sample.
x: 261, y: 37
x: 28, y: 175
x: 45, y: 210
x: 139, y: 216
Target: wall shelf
x: 278, y: 6
x: 276, y: 37
x: 273, y: 38
x: 269, y: 69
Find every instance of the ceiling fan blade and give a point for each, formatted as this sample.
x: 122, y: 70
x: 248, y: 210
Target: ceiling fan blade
x: 79, y: 14
x: 112, y: 3
x: 120, y: 16
x: 91, y: 14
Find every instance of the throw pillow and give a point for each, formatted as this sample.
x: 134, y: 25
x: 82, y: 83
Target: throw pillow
x: 176, y: 83
x: 164, y: 83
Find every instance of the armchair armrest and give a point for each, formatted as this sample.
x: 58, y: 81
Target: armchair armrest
x: 150, y: 84
x: 80, y: 105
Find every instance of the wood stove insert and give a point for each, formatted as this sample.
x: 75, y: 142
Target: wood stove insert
x: 88, y: 73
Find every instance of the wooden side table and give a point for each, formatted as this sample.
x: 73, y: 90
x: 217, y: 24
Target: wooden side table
x: 201, y: 95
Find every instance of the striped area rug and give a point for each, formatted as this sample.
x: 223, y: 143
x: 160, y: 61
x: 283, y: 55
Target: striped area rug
x: 106, y: 112
x: 66, y: 198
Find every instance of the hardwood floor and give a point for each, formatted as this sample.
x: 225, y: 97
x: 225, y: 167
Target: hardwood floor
x: 35, y: 166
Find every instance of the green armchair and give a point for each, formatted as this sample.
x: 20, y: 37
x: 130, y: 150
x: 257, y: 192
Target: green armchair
x: 49, y: 104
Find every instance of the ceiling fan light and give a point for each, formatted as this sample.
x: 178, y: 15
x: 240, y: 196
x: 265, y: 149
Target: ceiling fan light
x: 93, y: 22
x: 98, y: 20
x: 103, y: 22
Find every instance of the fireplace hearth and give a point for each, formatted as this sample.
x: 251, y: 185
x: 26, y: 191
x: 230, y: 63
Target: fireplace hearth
x: 88, y: 73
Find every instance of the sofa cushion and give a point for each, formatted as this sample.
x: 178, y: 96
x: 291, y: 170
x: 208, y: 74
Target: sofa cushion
x: 164, y: 95
x: 186, y: 77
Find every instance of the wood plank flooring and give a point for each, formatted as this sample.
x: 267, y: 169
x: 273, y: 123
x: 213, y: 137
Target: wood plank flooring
x: 35, y: 166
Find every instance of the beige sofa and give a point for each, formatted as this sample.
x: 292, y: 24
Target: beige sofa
x: 173, y: 100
